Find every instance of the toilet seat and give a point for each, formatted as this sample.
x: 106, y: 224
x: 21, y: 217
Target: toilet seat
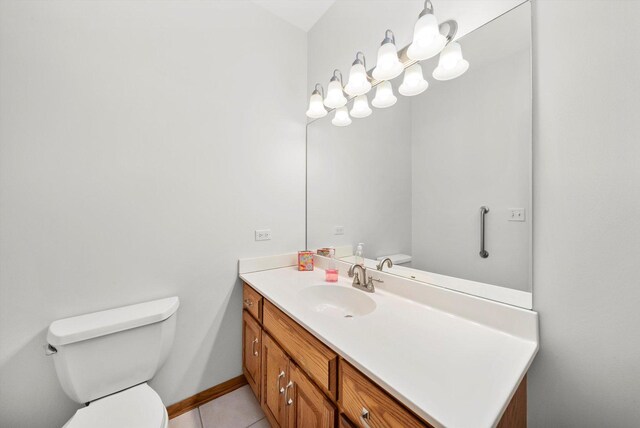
x: 137, y: 407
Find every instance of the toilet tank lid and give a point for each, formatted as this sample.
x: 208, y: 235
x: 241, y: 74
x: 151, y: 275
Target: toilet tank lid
x: 96, y: 324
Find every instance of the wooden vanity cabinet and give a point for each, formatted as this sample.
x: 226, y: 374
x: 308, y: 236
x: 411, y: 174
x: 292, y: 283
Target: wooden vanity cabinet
x: 301, y: 383
x: 252, y: 352
x: 252, y: 302
x: 289, y: 398
x: 368, y: 405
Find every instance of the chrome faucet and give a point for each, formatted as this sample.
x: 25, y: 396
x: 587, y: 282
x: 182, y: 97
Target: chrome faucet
x: 386, y: 260
x: 364, y: 283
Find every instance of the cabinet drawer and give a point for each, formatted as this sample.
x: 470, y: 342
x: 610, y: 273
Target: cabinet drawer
x: 252, y: 302
x: 314, y: 357
x: 358, y: 393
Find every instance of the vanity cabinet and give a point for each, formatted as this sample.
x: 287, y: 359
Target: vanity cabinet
x: 301, y: 383
x: 363, y: 401
x: 251, y: 352
x: 290, y: 399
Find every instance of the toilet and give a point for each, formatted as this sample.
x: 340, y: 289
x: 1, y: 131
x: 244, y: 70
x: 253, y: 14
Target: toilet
x: 104, y: 360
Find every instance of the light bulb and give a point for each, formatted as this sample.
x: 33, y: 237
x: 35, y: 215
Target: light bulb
x: 361, y: 107
x: 384, y: 96
x: 388, y: 65
x: 427, y: 40
x: 316, y: 108
x: 451, y: 63
x: 413, y: 83
x: 341, y: 118
x: 358, y: 83
x: 335, y: 98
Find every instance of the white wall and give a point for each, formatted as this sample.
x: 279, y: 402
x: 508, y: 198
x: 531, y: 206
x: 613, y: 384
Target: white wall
x: 141, y: 145
x: 359, y: 177
x: 587, y: 215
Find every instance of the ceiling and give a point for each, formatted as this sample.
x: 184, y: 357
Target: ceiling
x: 301, y: 13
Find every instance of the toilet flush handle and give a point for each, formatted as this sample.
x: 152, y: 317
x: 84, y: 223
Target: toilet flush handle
x: 49, y: 350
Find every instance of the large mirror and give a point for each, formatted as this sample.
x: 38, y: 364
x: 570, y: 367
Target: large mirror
x: 410, y: 181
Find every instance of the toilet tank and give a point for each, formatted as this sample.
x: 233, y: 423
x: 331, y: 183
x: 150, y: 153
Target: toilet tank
x: 104, y: 352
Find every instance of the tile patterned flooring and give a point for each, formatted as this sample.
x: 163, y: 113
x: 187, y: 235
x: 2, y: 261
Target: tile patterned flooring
x: 238, y: 409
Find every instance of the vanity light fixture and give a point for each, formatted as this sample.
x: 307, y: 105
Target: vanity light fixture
x: 413, y: 83
x: 384, y: 95
x: 427, y: 39
x: 361, y: 107
x: 316, y: 108
x: 451, y: 63
x: 341, y: 118
x: 335, y: 97
x: 358, y: 83
x: 388, y: 65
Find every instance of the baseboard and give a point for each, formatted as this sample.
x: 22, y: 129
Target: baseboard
x: 205, y: 396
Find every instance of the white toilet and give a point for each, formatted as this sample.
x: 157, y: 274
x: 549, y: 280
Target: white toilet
x: 105, y: 359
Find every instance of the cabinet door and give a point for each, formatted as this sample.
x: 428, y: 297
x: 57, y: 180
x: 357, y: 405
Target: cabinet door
x: 251, y: 352
x: 275, y: 366
x: 307, y: 407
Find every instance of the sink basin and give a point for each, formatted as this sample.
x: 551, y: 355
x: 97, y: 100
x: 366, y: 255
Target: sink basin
x: 337, y: 301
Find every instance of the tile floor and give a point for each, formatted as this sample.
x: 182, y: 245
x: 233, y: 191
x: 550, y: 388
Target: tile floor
x: 238, y: 409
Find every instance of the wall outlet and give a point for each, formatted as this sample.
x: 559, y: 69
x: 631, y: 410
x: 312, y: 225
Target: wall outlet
x: 263, y: 235
x: 339, y: 230
x: 516, y: 214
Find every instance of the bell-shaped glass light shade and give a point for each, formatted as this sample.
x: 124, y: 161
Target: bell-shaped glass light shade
x: 335, y: 98
x: 384, y: 96
x: 413, y: 83
x: 388, y: 65
x: 360, y: 107
x: 341, y: 117
x: 427, y: 40
x: 451, y: 64
x: 316, y: 108
x: 358, y: 83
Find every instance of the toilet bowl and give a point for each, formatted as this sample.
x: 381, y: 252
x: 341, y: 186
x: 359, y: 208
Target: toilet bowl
x: 106, y: 358
x: 137, y: 407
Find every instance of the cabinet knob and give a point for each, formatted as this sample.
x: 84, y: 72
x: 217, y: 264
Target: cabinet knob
x: 365, y: 417
x: 288, y: 399
x: 248, y: 302
x: 280, y: 388
x: 253, y: 347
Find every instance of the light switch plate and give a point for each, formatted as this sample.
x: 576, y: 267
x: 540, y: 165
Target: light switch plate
x: 339, y: 230
x: 263, y: 235
x: 516, y: 214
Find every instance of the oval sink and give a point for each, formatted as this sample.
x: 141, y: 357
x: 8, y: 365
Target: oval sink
x: 337, y: 301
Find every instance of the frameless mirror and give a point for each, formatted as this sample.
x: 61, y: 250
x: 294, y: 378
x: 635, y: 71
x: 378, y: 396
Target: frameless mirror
x: 410, y: 181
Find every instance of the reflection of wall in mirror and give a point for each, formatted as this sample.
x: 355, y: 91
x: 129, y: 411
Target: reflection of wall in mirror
x: 359, y: 178
x: 472, y: 147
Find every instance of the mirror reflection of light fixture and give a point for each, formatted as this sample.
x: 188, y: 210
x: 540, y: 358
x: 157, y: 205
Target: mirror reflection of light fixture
x: 451, y: 63
x: 335, y: 97
x: 384, y: 95
x: 316, y: 108
x: 341, y: 118
x: 427, y: 40
x: 413, y: 83
x: 361, y: 107
x: 358, y: 83
x: 388, y: 65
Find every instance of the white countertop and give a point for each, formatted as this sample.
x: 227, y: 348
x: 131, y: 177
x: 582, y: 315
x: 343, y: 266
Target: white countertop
x: 454, y: 359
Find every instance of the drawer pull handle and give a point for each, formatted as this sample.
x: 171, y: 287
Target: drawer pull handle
x: 253, y: 346
x: 248, y: 302
x: 288, y: 399
x: 365, y: 417
x: 280, y: 388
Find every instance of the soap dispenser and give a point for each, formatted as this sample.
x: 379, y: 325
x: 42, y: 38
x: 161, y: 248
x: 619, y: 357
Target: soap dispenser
x: 360, y: 254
